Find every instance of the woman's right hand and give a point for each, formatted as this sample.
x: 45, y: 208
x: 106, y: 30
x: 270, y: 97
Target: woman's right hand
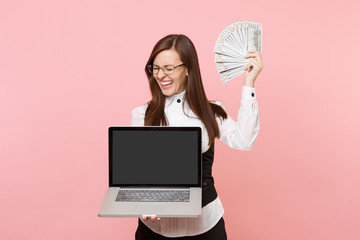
x: 153, y: 219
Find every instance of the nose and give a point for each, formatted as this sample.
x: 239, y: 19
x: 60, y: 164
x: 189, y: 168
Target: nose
x: 161, y: 74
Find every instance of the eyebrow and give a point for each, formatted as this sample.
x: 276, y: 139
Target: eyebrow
x: 164, y: 65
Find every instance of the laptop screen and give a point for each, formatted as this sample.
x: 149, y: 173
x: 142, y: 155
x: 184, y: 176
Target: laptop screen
x: 155, y: 156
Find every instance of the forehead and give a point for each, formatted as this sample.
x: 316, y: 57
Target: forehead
x: 167, y: 57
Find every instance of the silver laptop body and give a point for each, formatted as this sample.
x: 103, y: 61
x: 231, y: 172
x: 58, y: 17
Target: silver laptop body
x: 153, y: 171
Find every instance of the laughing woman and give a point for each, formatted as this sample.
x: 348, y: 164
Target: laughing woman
x: 179, y: 99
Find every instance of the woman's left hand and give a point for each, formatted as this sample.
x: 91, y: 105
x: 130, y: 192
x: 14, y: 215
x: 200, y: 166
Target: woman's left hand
x: 254, y: 67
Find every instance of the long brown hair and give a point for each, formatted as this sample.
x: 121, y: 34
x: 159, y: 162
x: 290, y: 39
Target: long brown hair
x: 195, y: 94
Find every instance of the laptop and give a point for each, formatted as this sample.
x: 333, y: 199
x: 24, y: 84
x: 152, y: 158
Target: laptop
x: 153, y: 171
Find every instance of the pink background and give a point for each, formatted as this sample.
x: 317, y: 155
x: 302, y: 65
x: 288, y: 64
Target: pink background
x: 70, y: 69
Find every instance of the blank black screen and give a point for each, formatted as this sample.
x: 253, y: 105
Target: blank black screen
x: 146, y: 157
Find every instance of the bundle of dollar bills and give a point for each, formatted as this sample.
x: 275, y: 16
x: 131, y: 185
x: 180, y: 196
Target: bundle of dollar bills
x: 233, y: 44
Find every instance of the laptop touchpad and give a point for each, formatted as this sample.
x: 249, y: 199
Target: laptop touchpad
x: 150, y: 208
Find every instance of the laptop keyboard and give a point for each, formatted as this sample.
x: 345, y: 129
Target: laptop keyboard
x: 153, y: 196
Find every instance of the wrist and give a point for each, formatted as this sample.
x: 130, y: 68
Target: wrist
x: 249, y: 84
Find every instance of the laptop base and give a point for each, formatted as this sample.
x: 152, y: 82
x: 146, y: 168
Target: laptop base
x: 111, y: 208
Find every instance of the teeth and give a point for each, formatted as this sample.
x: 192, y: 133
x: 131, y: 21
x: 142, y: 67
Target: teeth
x: 166, y: 83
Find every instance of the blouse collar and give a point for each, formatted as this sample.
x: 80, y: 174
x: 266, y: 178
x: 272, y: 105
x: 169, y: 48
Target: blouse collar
x: 174, y: 97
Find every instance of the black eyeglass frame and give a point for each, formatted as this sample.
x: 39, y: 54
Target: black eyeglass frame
x: 150, y: 67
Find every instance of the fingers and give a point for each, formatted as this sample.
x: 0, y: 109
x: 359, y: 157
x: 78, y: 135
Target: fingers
x: 253, y: 68
x: 254, y: 51
x: 253, y: 64
x: 254, y: 54
x: 248, y: 68
x: 255, y: 60
x: 153, y: 219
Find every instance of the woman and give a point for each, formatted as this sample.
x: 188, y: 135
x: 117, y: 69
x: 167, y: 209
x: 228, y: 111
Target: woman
x: 178, y: 99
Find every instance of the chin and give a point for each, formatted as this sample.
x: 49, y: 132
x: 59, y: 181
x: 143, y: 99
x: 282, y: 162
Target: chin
x: 168, y: 93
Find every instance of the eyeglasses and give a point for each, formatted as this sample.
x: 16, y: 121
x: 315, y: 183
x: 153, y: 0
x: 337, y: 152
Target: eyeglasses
x: 167, y: 69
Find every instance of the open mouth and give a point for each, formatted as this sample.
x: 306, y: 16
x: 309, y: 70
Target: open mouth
x: 166, y: 84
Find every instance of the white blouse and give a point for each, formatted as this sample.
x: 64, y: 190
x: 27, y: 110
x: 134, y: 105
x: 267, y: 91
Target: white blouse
x: 238, y: 135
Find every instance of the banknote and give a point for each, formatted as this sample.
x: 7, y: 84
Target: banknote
x: 233, y: 43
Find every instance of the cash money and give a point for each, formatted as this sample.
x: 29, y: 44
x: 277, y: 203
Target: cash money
x: 233, y: 43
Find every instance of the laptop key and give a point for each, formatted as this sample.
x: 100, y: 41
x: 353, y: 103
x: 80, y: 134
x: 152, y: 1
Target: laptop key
x: 149, y: 200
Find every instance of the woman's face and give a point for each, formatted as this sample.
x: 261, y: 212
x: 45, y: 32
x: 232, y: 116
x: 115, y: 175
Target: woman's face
x: 172, y: 83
